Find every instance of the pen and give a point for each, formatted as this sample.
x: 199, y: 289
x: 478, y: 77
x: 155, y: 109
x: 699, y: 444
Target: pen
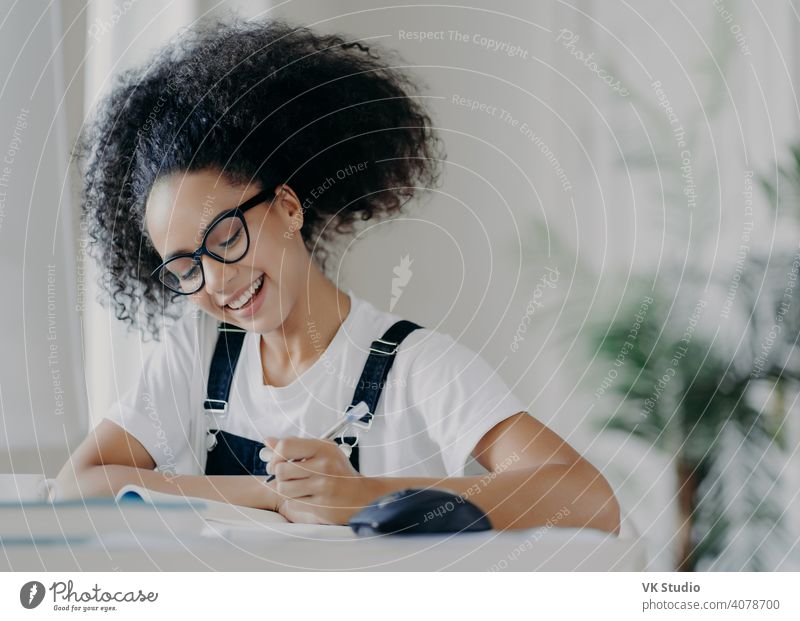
x: 349, y: 417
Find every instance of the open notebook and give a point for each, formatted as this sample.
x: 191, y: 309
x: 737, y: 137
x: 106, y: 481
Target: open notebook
x: 237, y: 522
x: 210, y: 510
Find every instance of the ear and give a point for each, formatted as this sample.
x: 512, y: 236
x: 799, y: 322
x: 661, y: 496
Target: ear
x: 290, y: 204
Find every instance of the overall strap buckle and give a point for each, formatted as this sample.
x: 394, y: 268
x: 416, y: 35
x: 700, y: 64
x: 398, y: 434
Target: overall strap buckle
x: 215, y: 406
x: 379, y: 344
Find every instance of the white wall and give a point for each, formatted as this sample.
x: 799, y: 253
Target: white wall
x: 42, y: 402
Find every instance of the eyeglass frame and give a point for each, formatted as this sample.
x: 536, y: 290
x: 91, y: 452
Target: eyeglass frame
x: 237, y: 211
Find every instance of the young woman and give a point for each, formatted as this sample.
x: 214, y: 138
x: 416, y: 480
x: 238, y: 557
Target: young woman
x: 218, y: 174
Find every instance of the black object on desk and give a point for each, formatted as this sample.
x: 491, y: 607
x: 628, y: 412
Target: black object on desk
x: 414, y: 511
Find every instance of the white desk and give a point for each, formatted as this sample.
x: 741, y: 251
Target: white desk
x: 298, y: 547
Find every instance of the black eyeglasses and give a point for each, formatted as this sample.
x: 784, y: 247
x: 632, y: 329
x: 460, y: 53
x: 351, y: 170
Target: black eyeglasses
x: 226, y: 240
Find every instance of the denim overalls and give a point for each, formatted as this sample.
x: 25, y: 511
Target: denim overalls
x: 232, y: 454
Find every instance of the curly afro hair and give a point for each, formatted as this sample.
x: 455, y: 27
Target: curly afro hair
x: 264, y: 102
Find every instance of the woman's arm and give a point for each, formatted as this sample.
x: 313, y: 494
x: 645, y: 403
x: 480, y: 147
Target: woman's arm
x: 535, y: 478
x: 110, y: 458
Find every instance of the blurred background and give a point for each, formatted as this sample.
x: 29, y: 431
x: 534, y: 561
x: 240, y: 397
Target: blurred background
x: 616, y: 232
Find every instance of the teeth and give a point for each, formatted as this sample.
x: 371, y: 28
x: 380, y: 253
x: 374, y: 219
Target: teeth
x: 245, y: 297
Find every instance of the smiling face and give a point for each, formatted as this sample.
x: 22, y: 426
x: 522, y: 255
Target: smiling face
x: 257, y: 292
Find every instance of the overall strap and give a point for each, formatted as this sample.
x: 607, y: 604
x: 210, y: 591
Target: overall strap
x: 373, y: 378
x: 381, y: 358
x: 223, y: 365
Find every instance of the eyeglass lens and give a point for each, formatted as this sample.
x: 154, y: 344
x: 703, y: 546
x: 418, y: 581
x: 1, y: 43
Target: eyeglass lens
x: 225, y: 241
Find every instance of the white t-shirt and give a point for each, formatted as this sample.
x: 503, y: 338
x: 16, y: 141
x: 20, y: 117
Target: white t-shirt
x: 439, y: 400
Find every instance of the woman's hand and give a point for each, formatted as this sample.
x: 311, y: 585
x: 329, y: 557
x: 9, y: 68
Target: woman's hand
x: 315, y: 482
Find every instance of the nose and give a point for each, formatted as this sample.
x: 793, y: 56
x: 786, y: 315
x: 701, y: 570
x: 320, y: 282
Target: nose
x: 217, y: 276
